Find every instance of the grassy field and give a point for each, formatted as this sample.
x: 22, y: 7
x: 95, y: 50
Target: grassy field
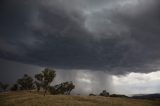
x: 32, y: 99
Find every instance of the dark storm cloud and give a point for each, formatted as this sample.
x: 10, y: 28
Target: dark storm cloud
x: 11, y: 71
x: 115, y: 36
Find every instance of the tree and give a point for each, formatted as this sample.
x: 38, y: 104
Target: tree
x: 4, y: 86
x: 63, y: 88
x: 104, y: 93
x: 39, y: 82
x: 14, y: 87
x: 45, y: 78
x: 69, y: 87
x: 38, y: 85
x: 26, y: 82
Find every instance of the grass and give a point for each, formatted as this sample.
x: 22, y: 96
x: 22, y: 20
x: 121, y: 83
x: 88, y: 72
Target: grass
x: 33, y: 99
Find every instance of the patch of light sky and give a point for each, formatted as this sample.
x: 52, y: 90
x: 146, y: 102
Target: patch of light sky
x: 139, y: 83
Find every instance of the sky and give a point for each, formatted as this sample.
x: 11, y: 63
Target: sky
x: 98, y: 44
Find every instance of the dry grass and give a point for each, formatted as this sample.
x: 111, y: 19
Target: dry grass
x: 32, y: 99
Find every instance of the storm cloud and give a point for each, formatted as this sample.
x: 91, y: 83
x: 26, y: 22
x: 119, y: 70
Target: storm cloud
x: 115, y: 36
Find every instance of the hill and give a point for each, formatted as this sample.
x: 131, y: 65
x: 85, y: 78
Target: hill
x: 147, y: 96
x: 33, y: 99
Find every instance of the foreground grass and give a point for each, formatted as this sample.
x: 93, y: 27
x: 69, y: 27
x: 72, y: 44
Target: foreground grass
x: 31, y: 99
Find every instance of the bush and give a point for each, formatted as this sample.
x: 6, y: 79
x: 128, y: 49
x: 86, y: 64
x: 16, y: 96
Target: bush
x: 92, y: 94
x: 14, y: 87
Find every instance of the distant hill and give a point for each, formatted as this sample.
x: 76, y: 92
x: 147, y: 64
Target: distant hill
x: 146, y: 96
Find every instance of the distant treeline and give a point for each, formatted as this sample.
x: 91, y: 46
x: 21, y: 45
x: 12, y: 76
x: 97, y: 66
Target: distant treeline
x: 106, y: 94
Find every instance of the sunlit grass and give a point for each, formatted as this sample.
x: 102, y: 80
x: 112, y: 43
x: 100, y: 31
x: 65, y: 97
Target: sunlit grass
x: 33, y: 99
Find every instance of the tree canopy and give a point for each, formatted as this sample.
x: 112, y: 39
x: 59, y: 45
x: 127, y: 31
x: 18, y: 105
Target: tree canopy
x: 45, y: 78
x: 63, y: 88
x: 26, y: 82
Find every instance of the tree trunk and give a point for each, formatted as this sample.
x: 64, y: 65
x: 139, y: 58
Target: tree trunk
x: 45, y: 92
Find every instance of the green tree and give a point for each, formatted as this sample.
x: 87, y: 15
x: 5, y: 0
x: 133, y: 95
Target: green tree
x: 45, y: 78
x: 26, y: 82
